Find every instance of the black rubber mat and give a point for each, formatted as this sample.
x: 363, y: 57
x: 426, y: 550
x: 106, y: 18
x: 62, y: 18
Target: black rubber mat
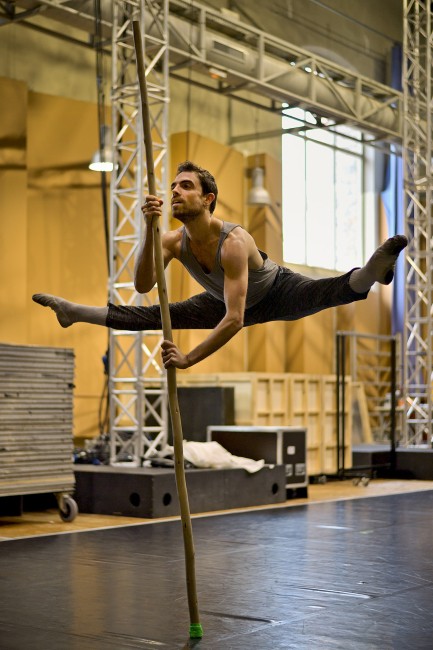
x: 346, y: 575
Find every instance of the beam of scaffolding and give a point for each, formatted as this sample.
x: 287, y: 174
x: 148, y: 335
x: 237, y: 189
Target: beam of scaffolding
x: 137, y: 383
x: 418, y: 179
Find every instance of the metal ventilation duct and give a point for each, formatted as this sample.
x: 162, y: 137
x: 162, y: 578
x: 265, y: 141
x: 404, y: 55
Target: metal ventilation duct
x: 247, y: 60
x: 250, y: 61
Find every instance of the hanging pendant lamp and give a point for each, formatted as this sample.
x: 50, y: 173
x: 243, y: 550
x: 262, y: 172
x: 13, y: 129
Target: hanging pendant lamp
x: 258, y: 195
x: 102, y: 159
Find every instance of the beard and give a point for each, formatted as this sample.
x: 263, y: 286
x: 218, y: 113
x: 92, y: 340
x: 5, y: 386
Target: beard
x: 186, y: 213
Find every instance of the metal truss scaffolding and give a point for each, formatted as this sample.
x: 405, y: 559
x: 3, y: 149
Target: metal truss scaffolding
x: 248, y: 65
x: 137, y: 385
x: 224, y: 55
x: 216, y: 51
x: 417, y: 146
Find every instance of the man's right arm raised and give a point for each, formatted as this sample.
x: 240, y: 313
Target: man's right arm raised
x: 144, y: 271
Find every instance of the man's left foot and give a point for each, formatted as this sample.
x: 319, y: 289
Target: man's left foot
x: 61, y: 307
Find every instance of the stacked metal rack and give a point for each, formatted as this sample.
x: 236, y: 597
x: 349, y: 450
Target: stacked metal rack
x: 36, y: 415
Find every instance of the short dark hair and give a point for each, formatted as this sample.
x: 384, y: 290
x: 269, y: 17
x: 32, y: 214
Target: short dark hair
x: 207, y: 181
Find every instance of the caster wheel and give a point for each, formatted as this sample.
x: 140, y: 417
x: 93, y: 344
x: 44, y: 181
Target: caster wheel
x: 356, y: 481
x: 68, y: 509
x: 365, y: 481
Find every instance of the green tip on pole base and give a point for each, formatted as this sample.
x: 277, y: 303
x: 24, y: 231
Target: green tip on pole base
x: 195, y: 631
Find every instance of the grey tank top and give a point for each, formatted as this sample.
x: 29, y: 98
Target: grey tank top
x: 259, y: 280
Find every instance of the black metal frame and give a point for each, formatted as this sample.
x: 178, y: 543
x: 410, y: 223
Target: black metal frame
x: 361, y: 470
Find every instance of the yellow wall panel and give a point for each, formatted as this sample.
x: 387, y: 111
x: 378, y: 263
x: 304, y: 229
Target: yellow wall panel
x: 62, y: 133
x: 13, y: 212
x: 13, y: 123
x: 51, y: 231
x: 13, y: 256
x: 67, y: 258
x: 52, y: 239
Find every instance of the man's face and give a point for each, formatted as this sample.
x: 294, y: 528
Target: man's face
x: 187, y: 198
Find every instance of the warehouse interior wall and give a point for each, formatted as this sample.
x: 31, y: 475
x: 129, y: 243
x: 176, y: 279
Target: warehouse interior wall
x: 52, y: 235
x: 51, y: 221
x: 52, y: 240
x: 357, y: 35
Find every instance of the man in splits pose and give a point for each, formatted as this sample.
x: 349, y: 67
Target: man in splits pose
x: 242, y: 285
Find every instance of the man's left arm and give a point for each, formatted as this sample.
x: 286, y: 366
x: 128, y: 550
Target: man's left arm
x: 235, y: 263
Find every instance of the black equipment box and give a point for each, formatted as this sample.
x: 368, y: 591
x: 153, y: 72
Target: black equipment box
x: 202, y: 405
x: 151, y: 491
x: 276, y: 445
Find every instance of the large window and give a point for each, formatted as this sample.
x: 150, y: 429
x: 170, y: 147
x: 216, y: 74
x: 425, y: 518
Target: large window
x: 323, y: 207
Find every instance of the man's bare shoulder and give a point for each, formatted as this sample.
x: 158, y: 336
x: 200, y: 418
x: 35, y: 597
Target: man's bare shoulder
x: 172, y: 240
x: 240, y: 242
x: 239, y: 237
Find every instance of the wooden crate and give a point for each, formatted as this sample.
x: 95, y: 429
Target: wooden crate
x: 289, y: 399
x: 361, y: 428
x: 260, y: 398
x: 330, y: 461
x: 329, y: 420
x: 305, y: 404
x: 269, y: 399
x: 314, y: 460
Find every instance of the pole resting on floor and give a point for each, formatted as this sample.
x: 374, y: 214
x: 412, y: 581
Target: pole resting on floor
x: 196, y: 630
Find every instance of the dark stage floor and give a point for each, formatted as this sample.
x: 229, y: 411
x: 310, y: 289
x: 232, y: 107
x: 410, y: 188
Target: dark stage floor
x: 346, y: 575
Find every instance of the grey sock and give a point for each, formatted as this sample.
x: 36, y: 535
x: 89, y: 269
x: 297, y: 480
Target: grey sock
x: 380, y: 266
x: 69, y: 313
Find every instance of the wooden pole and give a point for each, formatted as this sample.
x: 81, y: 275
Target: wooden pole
x: 196, y: 630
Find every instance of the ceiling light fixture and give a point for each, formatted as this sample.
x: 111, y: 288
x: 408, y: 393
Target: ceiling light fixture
x: 258, y: 195
x: 103, y: 164
x: 102, y: 159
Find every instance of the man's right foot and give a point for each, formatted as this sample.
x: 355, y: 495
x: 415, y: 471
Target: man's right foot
x: 380, y: 266
x: 61, y: 307
x: 383, y: 260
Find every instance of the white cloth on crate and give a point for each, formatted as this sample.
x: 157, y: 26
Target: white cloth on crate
x: 213, y: 455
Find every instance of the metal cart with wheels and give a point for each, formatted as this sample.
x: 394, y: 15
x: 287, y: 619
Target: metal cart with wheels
x: 36, y: 415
